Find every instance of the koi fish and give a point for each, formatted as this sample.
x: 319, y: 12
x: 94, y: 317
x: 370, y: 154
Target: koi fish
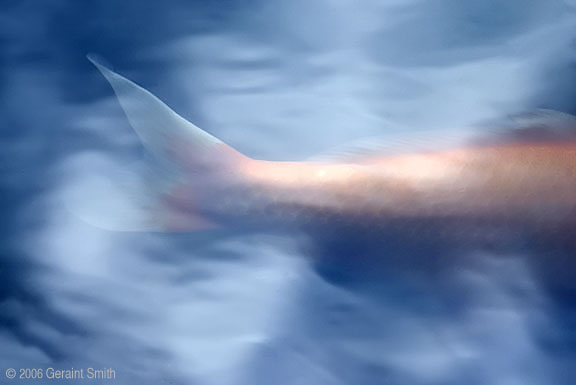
x: 526, y: 178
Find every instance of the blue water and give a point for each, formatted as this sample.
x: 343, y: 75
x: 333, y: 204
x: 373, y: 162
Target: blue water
x: 277, y: 80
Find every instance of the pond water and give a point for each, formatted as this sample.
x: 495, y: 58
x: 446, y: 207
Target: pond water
x: 278, y: 80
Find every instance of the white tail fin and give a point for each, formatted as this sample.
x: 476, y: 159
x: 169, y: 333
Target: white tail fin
x: 159, y: 198
x: 165, y: 133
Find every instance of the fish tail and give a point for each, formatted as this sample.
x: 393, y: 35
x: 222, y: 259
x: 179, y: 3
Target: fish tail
x: 170, y: 191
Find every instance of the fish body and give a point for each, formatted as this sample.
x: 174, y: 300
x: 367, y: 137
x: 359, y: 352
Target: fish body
x: 527, y: 180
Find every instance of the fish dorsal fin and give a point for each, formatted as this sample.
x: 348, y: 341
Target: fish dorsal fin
x: 540, y: 125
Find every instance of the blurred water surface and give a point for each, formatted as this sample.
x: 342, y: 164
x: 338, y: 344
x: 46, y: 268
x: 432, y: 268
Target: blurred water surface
x: 277, y: 80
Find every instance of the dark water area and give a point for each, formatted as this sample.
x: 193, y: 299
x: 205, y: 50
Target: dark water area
x: 277, y: 80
